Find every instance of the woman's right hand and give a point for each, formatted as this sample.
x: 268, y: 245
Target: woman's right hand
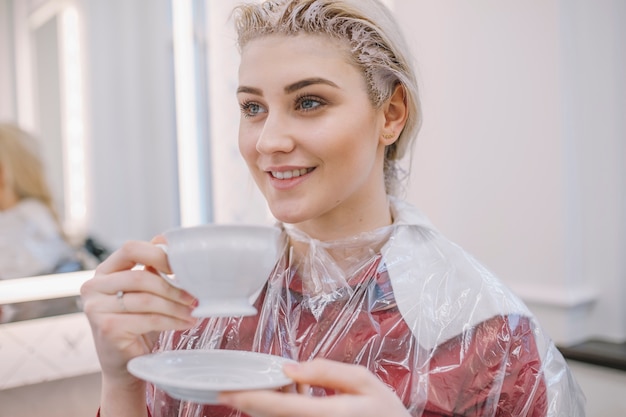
x: 127, y: 307
x: 359, y: 393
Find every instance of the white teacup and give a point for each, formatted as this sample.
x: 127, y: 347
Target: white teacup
x: 223, y: 266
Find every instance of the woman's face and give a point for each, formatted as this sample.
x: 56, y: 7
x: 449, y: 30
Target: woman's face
x: 309, y: 133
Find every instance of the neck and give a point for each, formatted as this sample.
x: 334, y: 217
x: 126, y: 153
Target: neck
x: 362, y: 217
x: 341, y: 244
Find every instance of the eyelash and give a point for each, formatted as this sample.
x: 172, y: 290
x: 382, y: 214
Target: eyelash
x: 245, y: 106
x: 304, y: 97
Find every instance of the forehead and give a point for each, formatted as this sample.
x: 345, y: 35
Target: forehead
x: 284, y: 57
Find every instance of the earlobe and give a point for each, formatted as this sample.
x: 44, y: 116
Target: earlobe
x: 395, y: 115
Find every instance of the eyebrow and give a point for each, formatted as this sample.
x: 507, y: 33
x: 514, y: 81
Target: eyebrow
x: 309, y: 81
x: 250, y: 90
x: 291, y: 87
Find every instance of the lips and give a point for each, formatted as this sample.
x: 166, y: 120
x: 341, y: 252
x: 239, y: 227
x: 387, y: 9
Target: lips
x: 294, y: 173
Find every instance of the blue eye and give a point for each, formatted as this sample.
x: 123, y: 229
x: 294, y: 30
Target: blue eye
x: 308, y: 103
x: 251, y: 109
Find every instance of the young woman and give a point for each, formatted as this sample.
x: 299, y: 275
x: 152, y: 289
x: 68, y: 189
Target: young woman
x: 387, y: 317
x: 31, y: 237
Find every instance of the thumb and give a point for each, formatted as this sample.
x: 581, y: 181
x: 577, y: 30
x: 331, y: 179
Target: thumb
x: 346, y: 378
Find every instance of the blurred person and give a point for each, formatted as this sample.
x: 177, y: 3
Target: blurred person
x: 32, y: 241
x: 386, y: 316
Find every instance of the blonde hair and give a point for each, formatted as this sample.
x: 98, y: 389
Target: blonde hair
x: 376, y: 45
x: 22, y: 168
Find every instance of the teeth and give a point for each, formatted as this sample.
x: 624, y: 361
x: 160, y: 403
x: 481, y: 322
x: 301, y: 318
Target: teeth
x: 285, y: 175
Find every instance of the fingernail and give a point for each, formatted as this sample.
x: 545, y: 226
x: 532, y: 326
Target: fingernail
x: 189, y: 299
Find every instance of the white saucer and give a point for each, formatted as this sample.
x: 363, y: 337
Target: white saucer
x: 199, y: 375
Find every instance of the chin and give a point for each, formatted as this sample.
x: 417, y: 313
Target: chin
x: 287, y: 214
x: 287, y: 218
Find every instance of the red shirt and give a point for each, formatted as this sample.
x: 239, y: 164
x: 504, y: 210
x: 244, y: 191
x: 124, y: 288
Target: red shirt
x: 491, y: 369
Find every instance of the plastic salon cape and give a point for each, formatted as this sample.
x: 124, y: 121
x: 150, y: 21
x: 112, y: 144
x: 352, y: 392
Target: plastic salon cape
x: 411, y: 306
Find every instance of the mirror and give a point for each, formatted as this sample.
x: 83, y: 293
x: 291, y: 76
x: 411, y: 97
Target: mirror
x: 93, y: 81
x: 129, y: 98
x: 45, y: 38
x: 124, y: 79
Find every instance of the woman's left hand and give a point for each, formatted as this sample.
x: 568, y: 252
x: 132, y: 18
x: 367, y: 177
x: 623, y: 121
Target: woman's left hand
x: 361, y: 394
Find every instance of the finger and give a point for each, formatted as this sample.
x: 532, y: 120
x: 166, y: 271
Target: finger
x: 133, y: 253
x: 346, y: 378
x: 153, y: 322
x: 276, y: 404
x: 304, y: 389
x: 138, y: 324
x: 143, y: 303
x: 158, y: 239
x: 136, y: 281
x: 137, y: 303
x: 291, y: 388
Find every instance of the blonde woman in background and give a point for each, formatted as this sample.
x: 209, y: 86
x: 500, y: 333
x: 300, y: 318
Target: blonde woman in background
x: 31, y: 238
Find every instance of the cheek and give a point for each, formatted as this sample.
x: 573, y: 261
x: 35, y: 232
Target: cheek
x: 354, y: 143
x: 247, y: 145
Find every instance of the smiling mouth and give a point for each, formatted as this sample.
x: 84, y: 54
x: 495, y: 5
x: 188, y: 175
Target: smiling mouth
x: 285, y: 175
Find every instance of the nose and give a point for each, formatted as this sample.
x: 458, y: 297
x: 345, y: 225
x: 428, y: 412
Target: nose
x: 274, y: 136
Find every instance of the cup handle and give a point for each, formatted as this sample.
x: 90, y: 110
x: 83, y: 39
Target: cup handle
x: 169, y: 278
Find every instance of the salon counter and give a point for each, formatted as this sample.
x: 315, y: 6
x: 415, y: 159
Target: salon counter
x: 44, y: 335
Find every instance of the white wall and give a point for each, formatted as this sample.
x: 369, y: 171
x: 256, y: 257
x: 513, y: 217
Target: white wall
x: 7, y: 98
x: 131, y: 118
x: 236, y: 197
x: 521, y: 156
x: 594, y: 102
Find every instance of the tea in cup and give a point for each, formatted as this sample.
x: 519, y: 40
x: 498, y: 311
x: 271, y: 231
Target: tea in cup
x: 223, y: 266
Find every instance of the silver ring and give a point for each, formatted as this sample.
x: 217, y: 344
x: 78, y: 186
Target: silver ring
x: 120, y: 300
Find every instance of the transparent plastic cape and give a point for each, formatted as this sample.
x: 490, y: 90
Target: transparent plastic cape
x: 419, y: 312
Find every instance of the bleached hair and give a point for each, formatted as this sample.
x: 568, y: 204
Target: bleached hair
x: 375, y: 42
x: 22, y: 166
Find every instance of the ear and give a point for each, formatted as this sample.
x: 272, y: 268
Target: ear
x: 395, y: 113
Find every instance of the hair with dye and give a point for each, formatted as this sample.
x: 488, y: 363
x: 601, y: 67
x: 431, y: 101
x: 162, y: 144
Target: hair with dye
x: 375, y: 42
x: 22, y: 168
